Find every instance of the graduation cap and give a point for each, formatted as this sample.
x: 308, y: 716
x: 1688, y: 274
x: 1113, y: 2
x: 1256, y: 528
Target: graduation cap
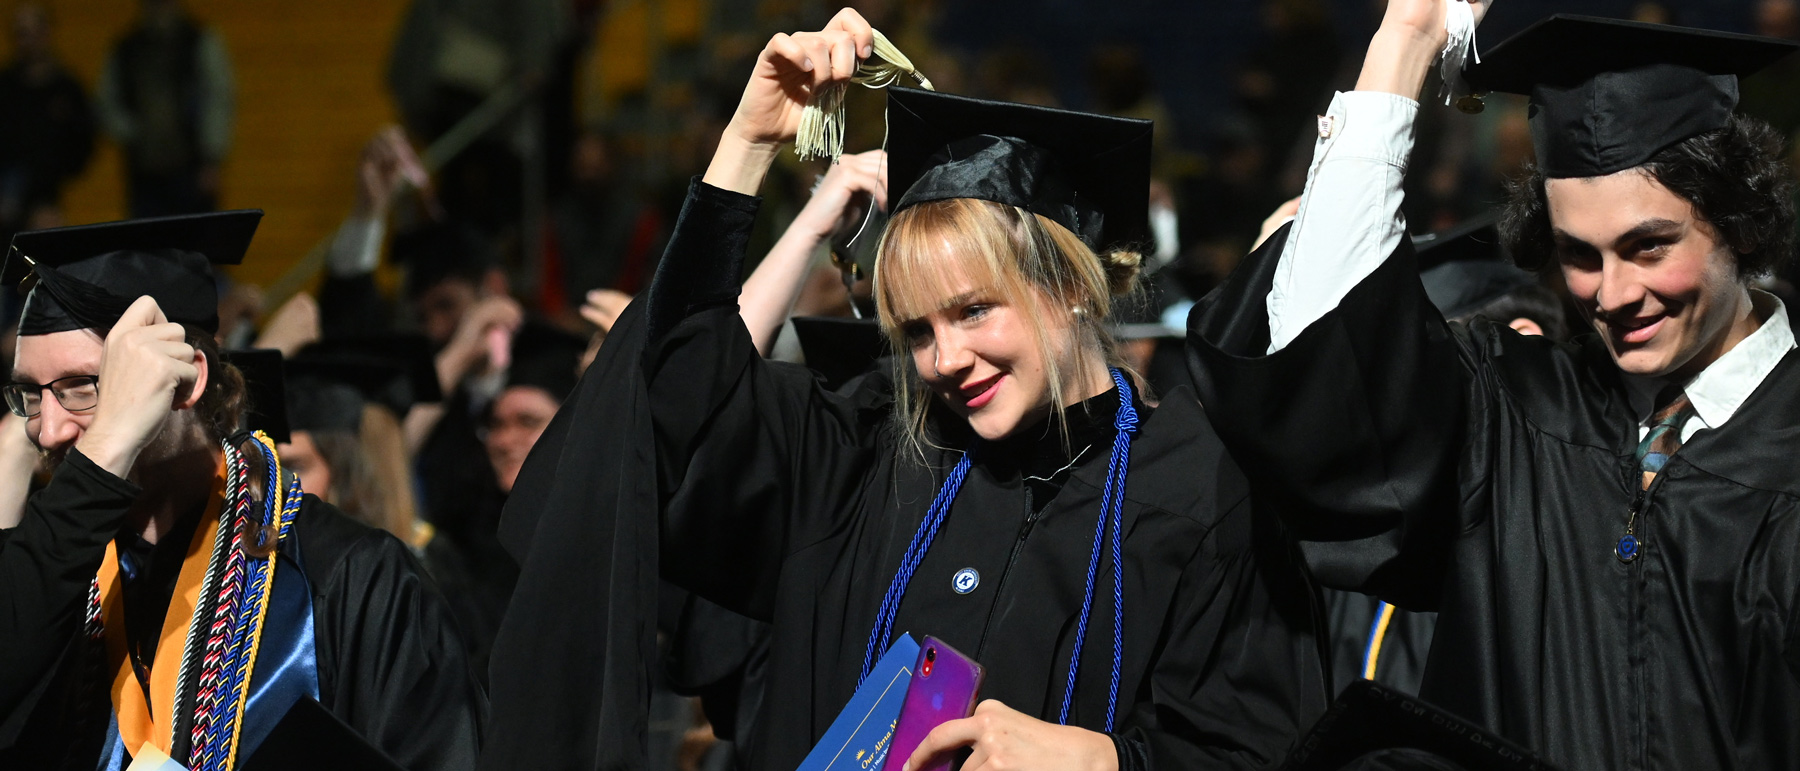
x: 1465, y: 268
x: 545, y: 357
x: 393, y: 370
x: 268, y: 410
x: 442, y: 250
x: 1088, y: 173
x: 86, y: 276
x: 838, y: 348
x: 1369, y: 724
x: 1607, y: 94
x: 309, y: 738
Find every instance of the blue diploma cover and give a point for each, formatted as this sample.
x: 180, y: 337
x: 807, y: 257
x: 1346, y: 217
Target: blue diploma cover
x: 859, y: 738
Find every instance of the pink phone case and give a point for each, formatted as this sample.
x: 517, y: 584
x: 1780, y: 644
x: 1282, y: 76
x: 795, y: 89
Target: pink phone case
x: 944, y: 686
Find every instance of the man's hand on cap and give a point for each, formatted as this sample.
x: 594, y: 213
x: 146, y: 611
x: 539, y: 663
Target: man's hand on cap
x: 147, y: 371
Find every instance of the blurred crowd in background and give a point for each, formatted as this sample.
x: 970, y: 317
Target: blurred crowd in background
x: 545, y: 146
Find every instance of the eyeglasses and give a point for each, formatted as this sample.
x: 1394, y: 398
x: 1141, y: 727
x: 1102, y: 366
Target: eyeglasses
x: 76, y: 394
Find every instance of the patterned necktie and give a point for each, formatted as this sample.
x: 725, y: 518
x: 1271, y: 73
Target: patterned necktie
x: 1660, y: 442
x: 1664, y: 437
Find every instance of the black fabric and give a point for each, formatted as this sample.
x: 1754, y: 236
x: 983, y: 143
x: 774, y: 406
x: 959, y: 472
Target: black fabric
x: 1488, y: 476
x: 1401, y: 664
x: 788, y: 503
x: 393, y: 370
x: 546, y: 357
x: 691, y: 276
x: 320, y: 404
x: 838, y: 348
x: 1462, y: 287
x: 587, y: 580
x: 309, y: 738
x: 1088, y: 173
x: 1607, y: 94
x: 435, y: 252
x: 149, y: 572
x: 353, y: 306
x: 1373, y: 728
x: 1010, y: 171
x: 87, y: 275
x: 47, y: 564
x: 391, y: 663
x: 266, y: 391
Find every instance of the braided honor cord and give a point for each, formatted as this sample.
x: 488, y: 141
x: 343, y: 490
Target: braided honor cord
x: 1111, y: 504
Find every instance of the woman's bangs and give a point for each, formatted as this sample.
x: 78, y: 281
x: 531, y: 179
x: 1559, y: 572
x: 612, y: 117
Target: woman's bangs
x: 929, y: 256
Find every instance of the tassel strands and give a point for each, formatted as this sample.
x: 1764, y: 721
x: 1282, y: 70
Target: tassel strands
x: 821, y: 132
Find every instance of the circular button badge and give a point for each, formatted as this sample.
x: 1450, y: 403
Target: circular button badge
x: 965, y: 581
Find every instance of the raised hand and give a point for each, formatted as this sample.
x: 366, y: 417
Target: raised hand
x: 147, y: 372
x: 1411, y: 37
x: 473, y: 346
x: 387, y: 162
x: 787, y: 73
x: 841, y: 198
x: 791, y: 68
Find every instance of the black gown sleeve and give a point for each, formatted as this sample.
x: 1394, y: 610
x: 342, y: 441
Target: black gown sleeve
x: 47, y: 565
x: 754, y: 458
x: 391, y: 662
x: 1238, y: 673
x: 1354, y: 431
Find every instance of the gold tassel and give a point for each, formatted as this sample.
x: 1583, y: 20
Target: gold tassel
x: 821, y: 132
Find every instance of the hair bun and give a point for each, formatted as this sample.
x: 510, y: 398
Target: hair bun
x: 1121, y: 270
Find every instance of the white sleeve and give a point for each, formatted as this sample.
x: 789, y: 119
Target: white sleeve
x: 1349, y: 219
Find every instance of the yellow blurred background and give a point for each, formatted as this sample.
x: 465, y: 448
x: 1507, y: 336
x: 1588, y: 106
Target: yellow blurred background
x: 310, y: 91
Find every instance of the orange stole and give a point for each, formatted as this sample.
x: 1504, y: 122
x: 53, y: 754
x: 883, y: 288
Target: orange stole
x: 153, y: 721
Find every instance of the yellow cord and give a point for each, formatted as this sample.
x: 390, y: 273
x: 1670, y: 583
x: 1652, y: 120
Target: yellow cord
x: 1374, y: 653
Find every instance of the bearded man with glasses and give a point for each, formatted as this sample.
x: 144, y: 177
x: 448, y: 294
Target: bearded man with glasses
x: 171, y: 591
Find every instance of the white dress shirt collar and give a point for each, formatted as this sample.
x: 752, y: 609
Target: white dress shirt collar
x: 1720, y: 389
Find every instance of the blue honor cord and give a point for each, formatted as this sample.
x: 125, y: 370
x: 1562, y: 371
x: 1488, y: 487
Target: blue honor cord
x: 1111, y: 505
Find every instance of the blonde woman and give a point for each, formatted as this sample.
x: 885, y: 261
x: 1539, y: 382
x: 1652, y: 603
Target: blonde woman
x: 1009, y: 489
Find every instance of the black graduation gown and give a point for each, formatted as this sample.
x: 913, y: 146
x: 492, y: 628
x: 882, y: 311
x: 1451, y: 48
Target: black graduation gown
x: 1400, y: 665
x: 390, y: 661
x: 1487, y: 476
x: 793, y: 504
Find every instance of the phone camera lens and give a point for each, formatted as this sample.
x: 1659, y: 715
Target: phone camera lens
x: 931, y: 654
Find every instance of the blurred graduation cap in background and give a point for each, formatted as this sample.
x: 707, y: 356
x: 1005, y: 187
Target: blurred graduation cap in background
x: 1089, y: 173
x: 86, y: 276
x: 1608, y: 94
x: 330, y: 381
x: 310, y: 738
x: 267, y: 388
x: 1465, y: 268
x: 546, y: 357
x: 437, y: 251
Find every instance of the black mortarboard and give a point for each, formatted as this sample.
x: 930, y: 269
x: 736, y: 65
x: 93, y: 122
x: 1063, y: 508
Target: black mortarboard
x: 268, y: 410
x: 1370, y: 726
x: 87, y: 275
x: 1606, y: 94
x: 394, y: 370
x: 1088, y: 173
x: 839, y: 348
x: 546, y: 357
x: 441, y: 250
x: 309, y: 737
x: 1465, y: 267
